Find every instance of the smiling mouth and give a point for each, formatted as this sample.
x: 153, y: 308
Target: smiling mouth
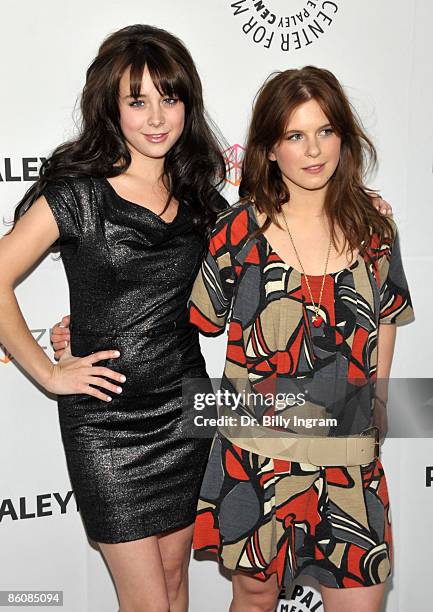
x: 314, y: 168
x: 156, y: 137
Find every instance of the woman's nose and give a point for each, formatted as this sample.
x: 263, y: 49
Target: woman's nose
x: 156, y: 116
x: 313, y: 148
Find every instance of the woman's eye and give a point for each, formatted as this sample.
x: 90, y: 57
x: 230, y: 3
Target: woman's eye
x: 294, y: 137
x: 141, y: 103
x: 327, y: 131
x: 136, y: 103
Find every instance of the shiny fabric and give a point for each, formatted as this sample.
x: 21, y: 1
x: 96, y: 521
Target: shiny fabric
x: 130, y: 274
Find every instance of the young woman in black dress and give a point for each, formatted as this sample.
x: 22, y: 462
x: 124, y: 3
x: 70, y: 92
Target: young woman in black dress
x: 130, y: 202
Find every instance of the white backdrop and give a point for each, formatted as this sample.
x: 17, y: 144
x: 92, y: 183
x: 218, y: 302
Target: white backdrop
x: 382, y: 53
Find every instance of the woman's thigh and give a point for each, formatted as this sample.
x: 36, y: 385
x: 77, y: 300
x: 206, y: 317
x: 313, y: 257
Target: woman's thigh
x: 355, y: 599
x: 138, y: 573
x: 175, y: 548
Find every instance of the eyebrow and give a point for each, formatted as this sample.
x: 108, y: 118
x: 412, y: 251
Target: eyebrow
x: 301, y: 132
x: 139, y: 96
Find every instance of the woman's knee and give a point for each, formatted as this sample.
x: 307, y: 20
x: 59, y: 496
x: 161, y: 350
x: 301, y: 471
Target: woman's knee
x: 260, y: 596
x: 138, y: 605
x: 175, y: 548
x: 176, y: 573
x: 138, y: 600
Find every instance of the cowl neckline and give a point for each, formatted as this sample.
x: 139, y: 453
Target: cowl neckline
x: 146, y: 226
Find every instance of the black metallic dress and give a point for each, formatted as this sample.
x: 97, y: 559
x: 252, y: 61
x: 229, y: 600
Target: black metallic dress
x: 130, y: 274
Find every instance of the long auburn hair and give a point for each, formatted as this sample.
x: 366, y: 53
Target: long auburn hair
x: 348, y: 204
x: 193, y: 168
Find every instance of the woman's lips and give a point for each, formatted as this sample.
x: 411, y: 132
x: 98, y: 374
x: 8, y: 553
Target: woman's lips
x: 156, y: 137
x: 314, y: 169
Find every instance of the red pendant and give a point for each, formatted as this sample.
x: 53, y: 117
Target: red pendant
x: 317, y: 320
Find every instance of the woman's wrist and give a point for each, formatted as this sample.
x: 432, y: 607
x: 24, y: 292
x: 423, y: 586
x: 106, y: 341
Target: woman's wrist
x: 383, y: 400
x: 45, y: 377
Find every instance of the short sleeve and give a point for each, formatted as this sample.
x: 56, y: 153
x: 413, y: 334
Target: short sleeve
x: 395, y: 300
x: 62, y: 200
x: 212, y: 293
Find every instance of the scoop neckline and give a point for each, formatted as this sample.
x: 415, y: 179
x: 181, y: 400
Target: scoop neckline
x: 144, y: 208
x: 348, y: 268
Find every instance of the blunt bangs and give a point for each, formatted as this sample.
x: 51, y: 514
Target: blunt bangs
x: 167, y: 76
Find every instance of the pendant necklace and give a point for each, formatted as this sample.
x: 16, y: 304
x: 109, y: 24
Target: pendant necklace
x: 316, y: 318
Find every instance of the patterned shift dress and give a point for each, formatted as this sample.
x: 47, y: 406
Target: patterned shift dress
x: 262, y: 514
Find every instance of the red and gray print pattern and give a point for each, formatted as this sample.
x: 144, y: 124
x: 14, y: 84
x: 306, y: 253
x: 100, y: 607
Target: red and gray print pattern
x: 260, y: 514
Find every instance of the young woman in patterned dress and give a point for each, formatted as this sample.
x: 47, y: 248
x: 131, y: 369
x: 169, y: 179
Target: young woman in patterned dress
x: 310, y: 278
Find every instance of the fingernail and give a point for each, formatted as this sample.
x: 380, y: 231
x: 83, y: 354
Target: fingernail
x: 108, y: 398
x: 119, y: 390
x: 116, y: 353
x: 122, y: 378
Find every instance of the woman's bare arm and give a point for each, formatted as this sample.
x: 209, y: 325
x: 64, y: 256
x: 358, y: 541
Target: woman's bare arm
x: 34, y: 233
x: 32, y: 236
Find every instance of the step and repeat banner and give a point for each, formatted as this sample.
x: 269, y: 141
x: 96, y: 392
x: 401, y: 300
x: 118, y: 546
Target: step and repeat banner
x: 382, y: 54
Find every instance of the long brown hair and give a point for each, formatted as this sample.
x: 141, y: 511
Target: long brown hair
x: 347, y: 203
x: 193, y: 167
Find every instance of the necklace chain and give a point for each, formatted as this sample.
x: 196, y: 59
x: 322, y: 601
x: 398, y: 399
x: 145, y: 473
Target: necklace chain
x: 316, y: 308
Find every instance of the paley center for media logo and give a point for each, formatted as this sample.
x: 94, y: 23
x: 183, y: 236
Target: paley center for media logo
x: 233, y: 157
x: 301, y: 599
x: 46, y: 504
x: 21, y: 169
x: 288, y: 26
